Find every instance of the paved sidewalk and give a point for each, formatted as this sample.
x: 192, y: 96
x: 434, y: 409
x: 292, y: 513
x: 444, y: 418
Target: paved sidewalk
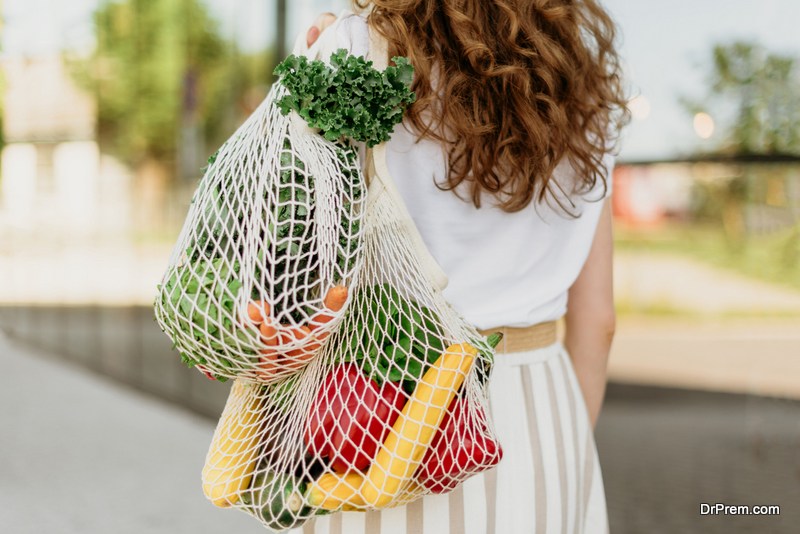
x: 83, y: 455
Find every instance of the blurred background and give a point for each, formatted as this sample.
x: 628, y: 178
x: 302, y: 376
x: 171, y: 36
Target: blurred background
x: 110, y: 110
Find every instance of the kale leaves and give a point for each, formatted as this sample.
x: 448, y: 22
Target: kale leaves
x: 348, y: 97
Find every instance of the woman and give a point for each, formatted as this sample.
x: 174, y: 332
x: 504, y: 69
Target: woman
x: 505, y: 164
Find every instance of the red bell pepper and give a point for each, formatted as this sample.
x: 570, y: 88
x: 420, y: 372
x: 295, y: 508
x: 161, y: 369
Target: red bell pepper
x: 461, y: 447
x: 351, y: 417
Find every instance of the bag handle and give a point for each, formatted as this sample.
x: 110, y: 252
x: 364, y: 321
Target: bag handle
x: 377, y: 168
x: 323, y: 47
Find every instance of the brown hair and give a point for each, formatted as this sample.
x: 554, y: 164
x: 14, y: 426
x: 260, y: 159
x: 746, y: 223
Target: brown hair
x: 519, y: 85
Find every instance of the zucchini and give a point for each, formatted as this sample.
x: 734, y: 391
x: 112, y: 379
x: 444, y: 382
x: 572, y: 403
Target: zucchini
x: 277, y: 500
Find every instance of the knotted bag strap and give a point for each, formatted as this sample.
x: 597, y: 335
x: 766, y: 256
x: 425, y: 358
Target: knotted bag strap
x: 381, y: 182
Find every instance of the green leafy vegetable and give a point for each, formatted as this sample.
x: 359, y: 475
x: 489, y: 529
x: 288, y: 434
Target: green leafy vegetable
x: 400, y: 340
x: 486, y: 348
x: 204, y: 292
x: 348, y: 98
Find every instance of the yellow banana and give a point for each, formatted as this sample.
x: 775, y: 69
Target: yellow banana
x: 405, y: 446
x: 332, y: 490
x: 232, y: 456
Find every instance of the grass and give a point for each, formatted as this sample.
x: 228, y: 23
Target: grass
x: 773, y: 258
x: 667, y: 310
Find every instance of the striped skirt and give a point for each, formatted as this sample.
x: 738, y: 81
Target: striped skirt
x: 548, y: 482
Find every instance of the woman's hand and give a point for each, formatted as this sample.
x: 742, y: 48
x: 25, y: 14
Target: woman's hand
x: 323, y: 21
x: 591, y: 319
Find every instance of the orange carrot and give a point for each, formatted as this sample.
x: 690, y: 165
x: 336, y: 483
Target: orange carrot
x: 258, y: 311
x: 292, y: 335
x: 336, y: 298
x: 206, y: 372
x: 314, y: 345
x: 269, y: 334
x: 297, y: 357
x: 268, y: 365
x: 334, y: 301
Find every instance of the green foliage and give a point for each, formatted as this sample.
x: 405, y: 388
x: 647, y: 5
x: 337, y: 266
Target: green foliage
x: 765, y: 90
x: 772, y: 258
x: 348, y: 98
x: 149, y: 52
x: 205, y: 292
x: 200, y: 295
x: 291, y: 257
x: 394, y: 338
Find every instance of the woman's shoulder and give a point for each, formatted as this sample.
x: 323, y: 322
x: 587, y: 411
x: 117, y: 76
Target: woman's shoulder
x: 568, y: 188
x: 352, y: 33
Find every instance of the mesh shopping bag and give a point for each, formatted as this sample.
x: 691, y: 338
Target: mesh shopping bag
x: 258, y: 277
x: 393, y: 407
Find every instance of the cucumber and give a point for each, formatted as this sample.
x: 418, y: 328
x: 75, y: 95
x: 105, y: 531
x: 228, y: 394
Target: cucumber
x: 277, y: 500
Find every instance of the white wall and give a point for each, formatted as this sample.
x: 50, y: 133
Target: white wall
x: 76, y: 167
x: 18, y: 181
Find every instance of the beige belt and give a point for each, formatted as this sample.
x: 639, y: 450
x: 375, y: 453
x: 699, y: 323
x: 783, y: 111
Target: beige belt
x: 533, y: 337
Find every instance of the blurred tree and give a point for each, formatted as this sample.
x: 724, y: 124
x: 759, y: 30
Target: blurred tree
x: 764, y: 88
x: 159, y: 64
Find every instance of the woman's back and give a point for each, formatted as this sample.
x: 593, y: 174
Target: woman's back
x: 511, y: 269
x: 512, y: 262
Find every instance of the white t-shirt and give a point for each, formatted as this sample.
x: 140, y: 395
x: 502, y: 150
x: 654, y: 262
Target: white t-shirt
x: 505, y: 269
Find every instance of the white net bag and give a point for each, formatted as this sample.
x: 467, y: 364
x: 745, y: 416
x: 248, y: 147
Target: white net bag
x: 394, y: 406
x: 258, y: 277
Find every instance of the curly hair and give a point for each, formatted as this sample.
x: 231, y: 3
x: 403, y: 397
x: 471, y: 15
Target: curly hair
x: 511, y: 87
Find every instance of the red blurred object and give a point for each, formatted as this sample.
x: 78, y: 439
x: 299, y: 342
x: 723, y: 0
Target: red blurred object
x: 462, y: 446
x: 206, y: 372
x: 351, y: 417
x: 636, y: 199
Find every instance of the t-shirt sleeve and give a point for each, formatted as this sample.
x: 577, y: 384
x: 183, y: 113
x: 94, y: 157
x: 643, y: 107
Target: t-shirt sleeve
x: 352, y: 34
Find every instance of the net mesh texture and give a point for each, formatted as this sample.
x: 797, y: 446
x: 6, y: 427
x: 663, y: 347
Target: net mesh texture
x: 357, y: 386
x: 273, y: 230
